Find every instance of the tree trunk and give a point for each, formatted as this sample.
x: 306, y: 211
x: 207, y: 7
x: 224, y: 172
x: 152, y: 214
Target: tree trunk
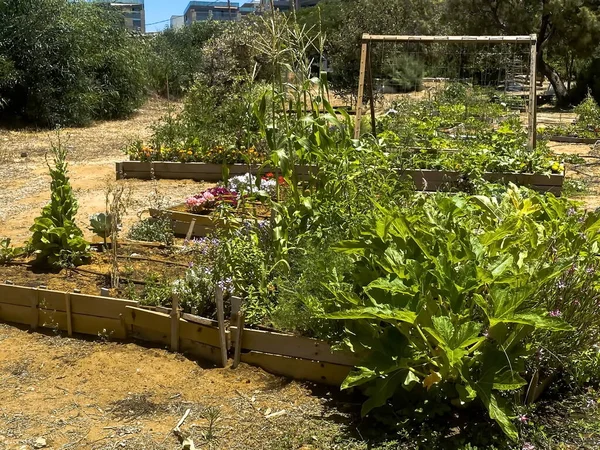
x: 562, y: 93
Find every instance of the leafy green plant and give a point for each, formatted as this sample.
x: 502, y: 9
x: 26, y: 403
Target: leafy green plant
x: 442, y: 303
x: 57, y: 241
x: 153, y: 229
x: 7, y: 252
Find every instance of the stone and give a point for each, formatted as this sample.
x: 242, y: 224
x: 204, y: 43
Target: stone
x: 24, y: 155
x: 40, y: 442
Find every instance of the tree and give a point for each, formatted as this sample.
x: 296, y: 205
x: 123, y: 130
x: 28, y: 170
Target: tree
x: 568, y: 30
x: 68, y: 63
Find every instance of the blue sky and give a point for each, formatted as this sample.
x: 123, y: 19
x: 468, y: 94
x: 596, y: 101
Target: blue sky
x: 158, y: 10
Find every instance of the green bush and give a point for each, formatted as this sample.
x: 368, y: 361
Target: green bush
x: 69, y: 62
x: 447, y: 299
x: 176, y: 56
x: 153, y: 229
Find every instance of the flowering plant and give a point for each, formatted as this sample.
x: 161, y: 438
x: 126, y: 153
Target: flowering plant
x: 247, y: 184
x: 211, y: 198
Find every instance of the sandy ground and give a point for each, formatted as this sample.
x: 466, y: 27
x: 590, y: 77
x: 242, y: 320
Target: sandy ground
x: 62, y: 393
x: 93, y: 151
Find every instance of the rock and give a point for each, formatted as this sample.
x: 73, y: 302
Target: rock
x: 24, y: 155
x: 40, y: 442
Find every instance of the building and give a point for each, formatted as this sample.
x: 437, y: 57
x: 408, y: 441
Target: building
x: 259, y: 6
x: 177, y: 22
x: 198, y: 11
x: 133, y: 12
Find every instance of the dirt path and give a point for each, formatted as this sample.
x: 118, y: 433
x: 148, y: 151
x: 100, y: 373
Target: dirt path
x: 74, y: 394
x: 24, y: 180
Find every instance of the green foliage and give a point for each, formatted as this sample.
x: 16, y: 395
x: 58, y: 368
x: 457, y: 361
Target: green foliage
x: 7, y: 252
x: 68, y: 63
x: 444, y: 297
x: 151, y: 229
x: 101, y: 224
x: 57, y: 241
x: 176, y: 56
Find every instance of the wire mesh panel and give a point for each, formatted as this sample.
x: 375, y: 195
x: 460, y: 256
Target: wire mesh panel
x: 477, y: 70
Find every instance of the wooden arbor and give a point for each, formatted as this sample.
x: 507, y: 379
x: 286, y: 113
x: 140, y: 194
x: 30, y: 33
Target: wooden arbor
x: 365, y: 75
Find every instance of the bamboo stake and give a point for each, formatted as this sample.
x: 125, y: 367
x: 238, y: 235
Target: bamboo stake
x: 221, y: 321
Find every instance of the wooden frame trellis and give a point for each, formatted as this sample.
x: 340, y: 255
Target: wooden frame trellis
x: 365, y: 73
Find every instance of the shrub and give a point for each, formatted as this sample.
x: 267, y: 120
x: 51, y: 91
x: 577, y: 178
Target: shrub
x: 8, y: 253
x: 176, y: 56
x: 153, y: 229
x: 445, y: 299
x: 57, y: 241
x: 69, y: 62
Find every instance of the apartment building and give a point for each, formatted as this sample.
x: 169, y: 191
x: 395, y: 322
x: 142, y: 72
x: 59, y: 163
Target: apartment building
x: 198, y: 11
x: 133, y: 12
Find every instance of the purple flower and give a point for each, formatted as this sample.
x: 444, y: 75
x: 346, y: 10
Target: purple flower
x: 561, y: 284
x: 190, y: 264
x: 226, y: 285
x: 523, y: 418
x: 590, y: 270
x: 528, y: 446
x: 555, y: 313
x: 571, y: 211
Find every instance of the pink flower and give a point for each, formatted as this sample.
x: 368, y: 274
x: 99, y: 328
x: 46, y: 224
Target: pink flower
x: 208, y: 196
x: 528, y: 446
x: 555, y: 313
x: 523, y: 418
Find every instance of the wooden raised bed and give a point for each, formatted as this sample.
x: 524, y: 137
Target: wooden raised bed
x: 186, y: 223
x: 194, y: 171
x: 573, y: 139
x: 437, y: 180
x: 283, y: 354
x: 294, y: 356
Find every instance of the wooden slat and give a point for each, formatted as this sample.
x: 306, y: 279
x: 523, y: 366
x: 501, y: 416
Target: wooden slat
x: 69, y: 314
x: 199, y: 333
x: 148, y: 335
x: 300, y: 369
x: 292, y: 346
x: 491, y: 39
x: 93, y: 305
x: 161, y: 323
x: 200, y: 350
x: 150, y: 320
x: 15, y: 313
x: 532, y: 106
x: 17, y: 295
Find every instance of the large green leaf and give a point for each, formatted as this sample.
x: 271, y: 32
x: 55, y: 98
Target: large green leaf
x: 378, y: 313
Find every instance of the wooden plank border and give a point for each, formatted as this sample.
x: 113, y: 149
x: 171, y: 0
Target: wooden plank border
x: 283, y: 354
x: 573, y: 139
x: 439, y: 180
x: 197, y: 171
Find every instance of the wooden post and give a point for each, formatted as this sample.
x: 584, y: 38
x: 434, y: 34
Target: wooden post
x: 190, y: 231
x: 69, y: 316
x: 175, y: 323
x: 239, y: 323
x: 371, y: 93
x: 361, y: 89
x: 34, y: 310
x: 221, y: 321
x: 532, y: 116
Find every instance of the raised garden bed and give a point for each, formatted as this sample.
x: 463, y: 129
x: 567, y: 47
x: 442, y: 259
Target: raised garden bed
x: 193, y: 225
x: 194, y: 171
x: 573, y: 139
x: 283, y: 354
x: 437, y: 180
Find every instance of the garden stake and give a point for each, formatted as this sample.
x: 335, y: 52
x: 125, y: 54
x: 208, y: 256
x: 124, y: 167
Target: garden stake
x: 221, y: 320
x: 69, y: 317
x: 175, y: 324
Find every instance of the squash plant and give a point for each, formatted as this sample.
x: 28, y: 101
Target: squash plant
x: 57, y: 241
x: 443, y: 298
